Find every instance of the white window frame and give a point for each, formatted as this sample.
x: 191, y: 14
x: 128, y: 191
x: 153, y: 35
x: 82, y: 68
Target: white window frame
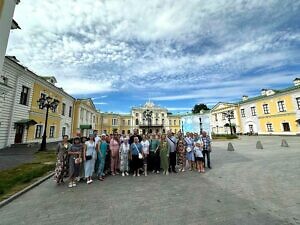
x: 243, y: 113
x: 53, y: 133
x: 253, y: 110
x: 268, y: 108
x: 281, y: 108
x: 41, y: 133
x: 272, y: 129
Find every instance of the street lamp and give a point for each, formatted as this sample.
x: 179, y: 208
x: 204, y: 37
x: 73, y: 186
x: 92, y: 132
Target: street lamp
x: 182, y: 128
x: 48, y: 103
x: 148, y: 115
x: 200, y: 125
x: 229, y: 116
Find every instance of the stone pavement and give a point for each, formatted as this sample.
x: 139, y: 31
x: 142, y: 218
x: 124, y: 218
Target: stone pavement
x: 247, y: 186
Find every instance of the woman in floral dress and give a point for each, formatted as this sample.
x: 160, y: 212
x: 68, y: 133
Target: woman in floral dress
x: 164, y: 154
x: 181, y: 153
x: 61, y: 168
x: 124, y: 156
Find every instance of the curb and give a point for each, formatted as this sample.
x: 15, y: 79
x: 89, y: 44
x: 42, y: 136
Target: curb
x: 18, y: 194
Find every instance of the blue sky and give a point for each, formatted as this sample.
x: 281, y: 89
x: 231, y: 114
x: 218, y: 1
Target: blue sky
x: 177, y: 53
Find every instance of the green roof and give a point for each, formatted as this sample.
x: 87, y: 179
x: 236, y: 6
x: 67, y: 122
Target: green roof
x: 277, y: 92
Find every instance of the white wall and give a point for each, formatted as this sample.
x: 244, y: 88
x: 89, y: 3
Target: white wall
x: 6, y: 16
x: 249, y: 119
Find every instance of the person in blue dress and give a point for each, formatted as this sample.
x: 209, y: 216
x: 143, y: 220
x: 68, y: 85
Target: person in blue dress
x: 189, y: 144
x: 89, y: 157
x: 102, y: 146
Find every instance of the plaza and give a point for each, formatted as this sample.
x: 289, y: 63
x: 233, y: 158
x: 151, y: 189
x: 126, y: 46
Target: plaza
x: 246, y: 186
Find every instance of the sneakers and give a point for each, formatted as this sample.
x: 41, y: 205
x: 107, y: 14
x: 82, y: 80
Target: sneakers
x: 126, y: 173
x: 89, y: 181
x: 153, y: 171
x: 134, y: 175
x: 138, y: 174
x: 123, y: 174
x: 70, y: 185
x: 183, y: 170
x: 157, y: 172
x: 74, y: 184
x: 167, y: 173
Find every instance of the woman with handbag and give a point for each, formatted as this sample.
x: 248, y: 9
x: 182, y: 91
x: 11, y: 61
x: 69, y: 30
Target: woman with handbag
x: 114, y: 154
x: 62, y: 157
x: 136, y: 156
x: 189, y: 144
x: 89, y: 158
x: 74, y: 161
x: 164, y: 154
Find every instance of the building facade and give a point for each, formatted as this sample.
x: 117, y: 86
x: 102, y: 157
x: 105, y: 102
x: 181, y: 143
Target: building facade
x: 278, y: 111
x: 85, y: 117
x: 21, y: 119
x: 248, y: 115
x: 225, y: 119
x: 158, y: 121
x: 196, y: 122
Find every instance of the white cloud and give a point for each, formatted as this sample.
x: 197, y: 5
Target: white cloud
x: 145, y: 46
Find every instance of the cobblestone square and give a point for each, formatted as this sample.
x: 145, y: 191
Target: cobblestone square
x: 247, y: 186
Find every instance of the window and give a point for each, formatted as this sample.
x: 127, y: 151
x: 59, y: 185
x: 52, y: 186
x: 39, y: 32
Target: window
x: 137, y: 115
x: 55, y: 110
x: 286, y: 127
x: 94, y: 119
x: 123, y: 123
x: 266, y: 108
x: 298, y: 102
x: 253, y: 111
x: 163, y: 121
x: 70, y: 111
x: 223, y: 116
x: 123, y: 131
x: 81, y: 114
x: 170, y: 122
x: 63, y: 110
x: 24, y: 95
x: 63, y: 131
x: 216, y: 117
x: 281, y: 106
x: 156, y: 115
x: 162, y: 115
x: 136, y: 121
x: 243, y: 112
x: 174, y: 124
x: 128, y: 122
x: 5, y: 80
x: 105, y: 131
x: 156, y: 121
x: 128, y: 131
x: 52, y: 129
x: 269, y: 127
x: 114, y: 122
x: 38, y: 131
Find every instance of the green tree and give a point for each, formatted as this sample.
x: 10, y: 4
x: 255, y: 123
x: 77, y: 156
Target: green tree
x: 198, y: 107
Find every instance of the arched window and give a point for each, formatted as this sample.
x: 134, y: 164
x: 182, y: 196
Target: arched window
x: 136, y: 121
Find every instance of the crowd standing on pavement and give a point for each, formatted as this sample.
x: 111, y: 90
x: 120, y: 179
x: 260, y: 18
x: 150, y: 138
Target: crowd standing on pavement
x: 116, y: 154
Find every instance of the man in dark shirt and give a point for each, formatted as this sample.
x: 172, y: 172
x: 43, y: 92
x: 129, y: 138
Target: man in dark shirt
x: 135, y: 134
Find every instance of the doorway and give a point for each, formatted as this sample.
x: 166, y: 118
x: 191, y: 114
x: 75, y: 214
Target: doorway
x: 286, y: 127
x: 19, y: 133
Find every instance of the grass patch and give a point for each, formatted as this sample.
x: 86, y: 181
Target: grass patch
x: 224, y: 136
x: 15, y: 179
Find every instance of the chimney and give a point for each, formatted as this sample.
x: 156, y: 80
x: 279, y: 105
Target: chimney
x: 245, y: 97
x: 296, y: 81
x: 263, y: 92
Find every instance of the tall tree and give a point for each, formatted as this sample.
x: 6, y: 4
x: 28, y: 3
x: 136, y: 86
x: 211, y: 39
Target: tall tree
x: 198, y: 107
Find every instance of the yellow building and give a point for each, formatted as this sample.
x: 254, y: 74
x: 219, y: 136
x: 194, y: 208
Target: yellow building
x: 278, y: 111
x: 85, y: 117
x: 174, y: 122
x: 59, y: 121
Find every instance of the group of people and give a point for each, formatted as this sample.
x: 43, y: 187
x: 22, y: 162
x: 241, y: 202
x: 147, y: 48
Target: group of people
x: 135, y: 154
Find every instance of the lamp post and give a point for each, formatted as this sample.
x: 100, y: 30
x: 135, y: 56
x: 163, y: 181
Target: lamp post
x: 182, y: 128
x: 148, y: 115
x: 200, y: 125
x: 229, y: 116
x: 48, y: 103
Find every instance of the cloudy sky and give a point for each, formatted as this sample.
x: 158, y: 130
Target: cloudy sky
x: 177, y: 53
